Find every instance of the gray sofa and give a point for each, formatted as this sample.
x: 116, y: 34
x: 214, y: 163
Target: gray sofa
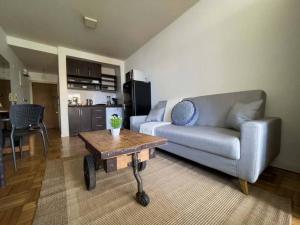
x: 243, y: 154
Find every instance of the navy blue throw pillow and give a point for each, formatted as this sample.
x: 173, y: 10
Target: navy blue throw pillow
x: 184, y: 113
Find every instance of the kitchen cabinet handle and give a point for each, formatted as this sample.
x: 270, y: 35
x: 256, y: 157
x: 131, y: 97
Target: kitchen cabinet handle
x: 99, y: 117
x: 99, y: 110
x: 99, y: 125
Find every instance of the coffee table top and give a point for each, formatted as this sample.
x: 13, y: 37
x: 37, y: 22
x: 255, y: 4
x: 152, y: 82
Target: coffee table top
x: 103, y: 143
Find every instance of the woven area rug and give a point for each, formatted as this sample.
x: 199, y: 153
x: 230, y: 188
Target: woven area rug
x: 180, y: 193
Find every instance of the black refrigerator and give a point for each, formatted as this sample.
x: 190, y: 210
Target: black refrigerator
x: 137, y: 100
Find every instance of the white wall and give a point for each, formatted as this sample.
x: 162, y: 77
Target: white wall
x: 4, y: 73
x: 231, y: 45
x: 15, y: 69
x: 43, y: 77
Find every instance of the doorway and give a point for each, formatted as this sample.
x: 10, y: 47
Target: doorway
x: 4, y: 94
x: 46, y: 95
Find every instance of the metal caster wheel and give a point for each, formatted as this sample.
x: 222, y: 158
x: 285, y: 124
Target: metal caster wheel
x: 89, y: 172
x: 142, y: 165
x: 142, y: 198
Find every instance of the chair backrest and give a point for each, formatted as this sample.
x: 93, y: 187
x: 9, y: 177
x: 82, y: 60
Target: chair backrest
x: 23, y: 116
x: 42, y: 113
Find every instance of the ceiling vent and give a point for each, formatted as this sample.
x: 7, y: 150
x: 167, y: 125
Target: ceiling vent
x: 90, y: 22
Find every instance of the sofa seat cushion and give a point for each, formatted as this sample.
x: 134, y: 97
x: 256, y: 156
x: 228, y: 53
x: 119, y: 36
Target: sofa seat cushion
x: 220, y: 141
x: 135, y: 127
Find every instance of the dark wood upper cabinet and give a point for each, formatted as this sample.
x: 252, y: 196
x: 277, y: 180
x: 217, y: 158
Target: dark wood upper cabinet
x: 72, y: 67
x: 82, y: 68
x: 76, y: 67
x: 95, y: 70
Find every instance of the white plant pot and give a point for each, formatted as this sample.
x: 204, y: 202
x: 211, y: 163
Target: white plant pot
x: 115, y: 132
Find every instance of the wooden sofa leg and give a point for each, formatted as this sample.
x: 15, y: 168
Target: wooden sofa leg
x: 244, y: 186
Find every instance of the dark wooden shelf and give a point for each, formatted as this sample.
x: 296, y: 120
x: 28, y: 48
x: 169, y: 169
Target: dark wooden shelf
x: 80, y: 82
x: 85, y: 89
x: 108, y: 75
x: 85, y: 77
x: 105, y: 85
x: 108, y: 91
x: 110, y: 79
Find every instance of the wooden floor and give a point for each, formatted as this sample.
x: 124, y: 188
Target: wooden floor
x: 18, y: 200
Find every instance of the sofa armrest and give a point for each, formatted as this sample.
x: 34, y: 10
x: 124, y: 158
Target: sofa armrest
x: 260, y: 144
x: 136, y: 121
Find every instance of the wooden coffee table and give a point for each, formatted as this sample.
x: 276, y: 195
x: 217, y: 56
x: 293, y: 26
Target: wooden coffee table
x: 129, y: 149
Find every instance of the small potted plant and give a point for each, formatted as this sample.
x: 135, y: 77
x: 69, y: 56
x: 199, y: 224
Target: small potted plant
x: 116, y: 123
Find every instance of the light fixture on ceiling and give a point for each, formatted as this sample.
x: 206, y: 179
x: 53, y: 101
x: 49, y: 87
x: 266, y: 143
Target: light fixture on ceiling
x: 90, y: 22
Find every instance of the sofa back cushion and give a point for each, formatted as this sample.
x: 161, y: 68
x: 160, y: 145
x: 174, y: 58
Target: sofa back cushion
x: 241, y: 113
x: 213, y: 109
x: 157, y: 113
x: 161, y: 104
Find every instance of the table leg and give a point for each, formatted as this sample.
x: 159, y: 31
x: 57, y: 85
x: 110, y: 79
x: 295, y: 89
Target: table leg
x: 97, y: 162
x: 141, y: 196
x: 2, y: 179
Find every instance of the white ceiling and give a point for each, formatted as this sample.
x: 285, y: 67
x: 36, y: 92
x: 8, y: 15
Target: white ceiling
x: 124, y: 25
x: 37, y: 61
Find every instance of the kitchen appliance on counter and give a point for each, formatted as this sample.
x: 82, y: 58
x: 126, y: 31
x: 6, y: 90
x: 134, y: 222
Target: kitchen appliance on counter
x: 73, y: 101
x: 89, y: 101
x: 108, y: 100
x: 115, y: 101
x: 137, y: 100
x: 136, y: 75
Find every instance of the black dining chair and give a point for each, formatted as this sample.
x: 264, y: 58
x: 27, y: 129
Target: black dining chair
x: 25, y: 120
x: 43, y: 126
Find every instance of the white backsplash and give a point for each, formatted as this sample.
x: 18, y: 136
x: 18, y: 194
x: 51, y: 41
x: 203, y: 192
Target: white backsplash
x: 97, y: 96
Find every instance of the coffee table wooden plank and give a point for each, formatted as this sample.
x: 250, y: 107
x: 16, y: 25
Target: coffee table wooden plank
x: 127, y: 142
x: 124, y: 161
